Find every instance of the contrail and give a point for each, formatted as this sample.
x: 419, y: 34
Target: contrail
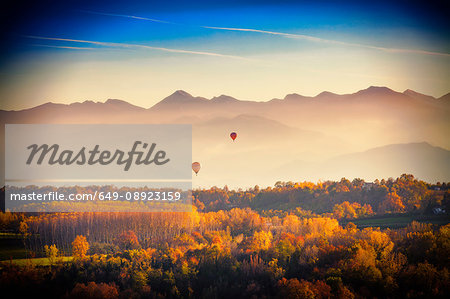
x: 63, y: 47
x: 124, y: 45
x: 125, y: 16
x: 322, y: 40
x: 311, y: 38
x: 289, y: 35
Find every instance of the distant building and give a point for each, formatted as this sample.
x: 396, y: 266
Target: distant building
x: 438, y: 211
x: 368, y: 186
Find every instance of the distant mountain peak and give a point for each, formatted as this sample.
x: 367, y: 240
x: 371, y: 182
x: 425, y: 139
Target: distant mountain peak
x: 224, y: 99
x: 412, y: 92
x: 116, y: 101
x: 294, y: 97
x: 47, y: 104
x: 416, y: 95
x: 178, y: 98
x: 324, y: 94
x: 182, y: 93
x: 377, y: 89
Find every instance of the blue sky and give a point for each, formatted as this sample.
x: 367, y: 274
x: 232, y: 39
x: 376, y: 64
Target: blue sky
x: 142, y: 51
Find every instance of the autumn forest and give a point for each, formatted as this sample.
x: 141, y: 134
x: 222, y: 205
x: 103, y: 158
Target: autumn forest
x: 343, y: 239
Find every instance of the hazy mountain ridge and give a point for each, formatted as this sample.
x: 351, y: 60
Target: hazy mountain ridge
x: 428, y: 162
x: 317, y: 130
x: 425, y: 161
x: 181, y: 97
x: 378, y: 102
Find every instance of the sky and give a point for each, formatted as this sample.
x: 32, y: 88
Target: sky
x: 142, y: 51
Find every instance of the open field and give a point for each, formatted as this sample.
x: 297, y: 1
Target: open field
x: 11, y: 246
x: 37, y: 261
x: 398, y: 220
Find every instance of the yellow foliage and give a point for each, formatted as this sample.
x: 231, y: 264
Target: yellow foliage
x: 262, y: 240
x: 80, y: 246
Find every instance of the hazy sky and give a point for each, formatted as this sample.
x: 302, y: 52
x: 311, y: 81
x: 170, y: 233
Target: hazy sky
x: 142, y: 52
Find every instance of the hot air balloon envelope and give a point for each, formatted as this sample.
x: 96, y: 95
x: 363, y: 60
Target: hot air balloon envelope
x: 196, y: 167
x: 233, y: 135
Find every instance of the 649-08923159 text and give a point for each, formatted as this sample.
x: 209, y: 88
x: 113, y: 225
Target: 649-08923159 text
x: 102, y: 196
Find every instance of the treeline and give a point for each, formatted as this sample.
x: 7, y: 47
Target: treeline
x: 152, y: 229
x: 101, y: 228
x: 237, y: 254
x: 342, y: 199
x: 280, y: 242
x: 346, y: 199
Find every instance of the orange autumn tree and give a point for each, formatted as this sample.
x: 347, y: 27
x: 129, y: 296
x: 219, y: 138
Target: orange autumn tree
x: 128, y: 240
x: 80, y: 246
x: 93, y: 290
x: 293, y: 288
x: 353, y: 210
x: 392, y: 203
x: 344, y: 210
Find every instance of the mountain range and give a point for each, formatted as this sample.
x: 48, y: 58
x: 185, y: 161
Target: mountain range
x: 289, y: 137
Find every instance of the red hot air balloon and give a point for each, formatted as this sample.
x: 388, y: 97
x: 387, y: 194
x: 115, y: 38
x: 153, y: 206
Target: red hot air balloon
x: 233, y: 135
x: 196, y: 167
